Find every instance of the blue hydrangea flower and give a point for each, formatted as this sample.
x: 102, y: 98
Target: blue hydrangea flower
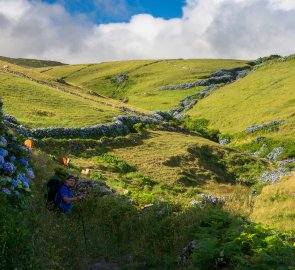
x: 25, y: 185
x: 21, y: 177
x: 3, y: 152
x: 8, y: 167
x: 12, y: 158
x: 23, y: 162
x: 3, y: 141
x: 30, y: 173
x: 1, y: 161
x: 14, y: 183
x: 6, y: 191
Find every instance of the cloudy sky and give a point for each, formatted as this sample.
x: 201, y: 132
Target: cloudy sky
x: 88, y: 31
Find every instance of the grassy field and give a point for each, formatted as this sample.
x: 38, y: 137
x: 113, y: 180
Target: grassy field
x: 265, y: 95
x: 36, y: 105
x: 42, y: 105
x: 144, y: 78
x: 275, y: 205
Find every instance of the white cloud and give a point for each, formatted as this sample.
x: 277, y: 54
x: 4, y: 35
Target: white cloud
x: 211, y: 29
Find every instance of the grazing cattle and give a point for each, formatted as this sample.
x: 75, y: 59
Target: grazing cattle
x: 64, y: 161
x: 28, y: 143
x: 86, y: 171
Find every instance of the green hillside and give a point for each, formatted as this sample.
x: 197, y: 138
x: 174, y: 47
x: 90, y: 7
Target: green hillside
x: 38, y: 100
x: 32, y: 63
x: 265, y: 95
x: 165, y: 196
x: 178, y: 170
x: 140, y: 86
x: 41, y: 106
x: 275, y: 205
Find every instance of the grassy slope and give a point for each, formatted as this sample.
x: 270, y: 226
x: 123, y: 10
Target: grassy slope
x: 35, y: 73
x: 266, y: 94
x: 51, y: 107
x: 180, y: 169
x: 34, y: 63
x: 144, y: 79
x: 36, y: 105
x: 275, y: 205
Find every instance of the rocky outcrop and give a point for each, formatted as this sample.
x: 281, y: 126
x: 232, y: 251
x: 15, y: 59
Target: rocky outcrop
x: 87, y: 186
x: 208, y: 199
x: 274, y: 176
x: 275, y: 153
x: 268, y: 127
x: 221, y: 76
x: 120, y: 78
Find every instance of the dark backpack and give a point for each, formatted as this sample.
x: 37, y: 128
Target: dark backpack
x: 53, y: 186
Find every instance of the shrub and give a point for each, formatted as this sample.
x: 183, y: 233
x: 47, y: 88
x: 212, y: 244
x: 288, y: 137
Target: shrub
x: 200, y: 126
x: 225, y: 242
x: 16, y: 247
x: 120, y: 165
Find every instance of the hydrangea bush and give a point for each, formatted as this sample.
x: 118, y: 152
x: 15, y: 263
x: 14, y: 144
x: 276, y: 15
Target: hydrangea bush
x: 15, y: 170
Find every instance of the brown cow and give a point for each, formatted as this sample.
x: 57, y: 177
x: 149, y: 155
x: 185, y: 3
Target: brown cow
x: 64, y: 161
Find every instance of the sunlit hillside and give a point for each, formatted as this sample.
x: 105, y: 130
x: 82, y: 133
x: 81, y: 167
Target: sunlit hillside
x: 141, y: 80
x: 265, y: 95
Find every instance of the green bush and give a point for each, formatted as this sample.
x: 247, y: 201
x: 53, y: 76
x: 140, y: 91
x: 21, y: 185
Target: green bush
x: 200, y: 126
x: 225, y: 242
x: 138, y: 127
x: 119, y: 165
x: 16, y: 245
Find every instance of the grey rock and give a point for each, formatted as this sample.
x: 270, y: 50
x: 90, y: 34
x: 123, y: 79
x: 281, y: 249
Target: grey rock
x: 283, y: 163
x: 224, y: 141
x: 184, y: 258
x: 275, y: 153
x: 259, y: 139
x: 268, y: 127
x: 274, y: 176
x: 213, y: 200
x: 196, y: 203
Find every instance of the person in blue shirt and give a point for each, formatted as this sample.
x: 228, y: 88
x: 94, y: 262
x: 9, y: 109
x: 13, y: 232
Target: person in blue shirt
x: 65, y: 198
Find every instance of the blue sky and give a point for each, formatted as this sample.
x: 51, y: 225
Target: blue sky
x: 107, y: 11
